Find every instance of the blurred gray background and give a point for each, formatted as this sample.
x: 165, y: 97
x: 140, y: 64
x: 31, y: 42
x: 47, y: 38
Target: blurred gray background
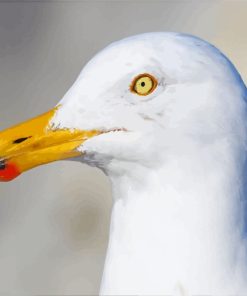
x: 54, y: 219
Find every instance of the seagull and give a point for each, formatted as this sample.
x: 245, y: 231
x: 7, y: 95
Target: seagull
x: 164, y: 116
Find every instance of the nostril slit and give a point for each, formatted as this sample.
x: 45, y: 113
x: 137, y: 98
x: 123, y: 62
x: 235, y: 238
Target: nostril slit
x: 19, y: 140
x: 2, y: 165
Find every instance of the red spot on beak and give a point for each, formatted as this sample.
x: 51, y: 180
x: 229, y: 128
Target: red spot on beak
x: 9, y: 172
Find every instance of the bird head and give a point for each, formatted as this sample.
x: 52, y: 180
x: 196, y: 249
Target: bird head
x: 135, y: 101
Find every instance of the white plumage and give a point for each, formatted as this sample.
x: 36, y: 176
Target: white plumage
x: 178, y: 173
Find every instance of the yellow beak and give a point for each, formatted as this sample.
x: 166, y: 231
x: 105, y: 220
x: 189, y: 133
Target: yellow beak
x: 34, y: 143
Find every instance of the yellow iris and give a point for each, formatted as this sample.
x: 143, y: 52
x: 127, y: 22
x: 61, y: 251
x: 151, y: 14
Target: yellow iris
x: 144, y: 84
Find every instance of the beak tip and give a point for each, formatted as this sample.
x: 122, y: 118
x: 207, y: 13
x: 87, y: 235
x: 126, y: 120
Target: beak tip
x: 9, y: 172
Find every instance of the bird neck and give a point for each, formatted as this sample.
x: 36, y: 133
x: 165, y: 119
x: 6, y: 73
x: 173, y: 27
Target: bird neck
x: 184, y: 220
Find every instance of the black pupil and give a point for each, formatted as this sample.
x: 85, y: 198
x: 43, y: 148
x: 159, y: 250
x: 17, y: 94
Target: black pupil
x: 142, y: 83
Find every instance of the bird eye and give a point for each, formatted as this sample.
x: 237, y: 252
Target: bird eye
x: 143, y: 84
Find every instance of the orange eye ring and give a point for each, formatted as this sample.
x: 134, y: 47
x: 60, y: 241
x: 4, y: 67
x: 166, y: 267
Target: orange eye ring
x: 143, y: 84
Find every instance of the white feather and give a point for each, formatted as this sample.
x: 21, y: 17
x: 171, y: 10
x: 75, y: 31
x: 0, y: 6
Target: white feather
x: 178, y: 174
